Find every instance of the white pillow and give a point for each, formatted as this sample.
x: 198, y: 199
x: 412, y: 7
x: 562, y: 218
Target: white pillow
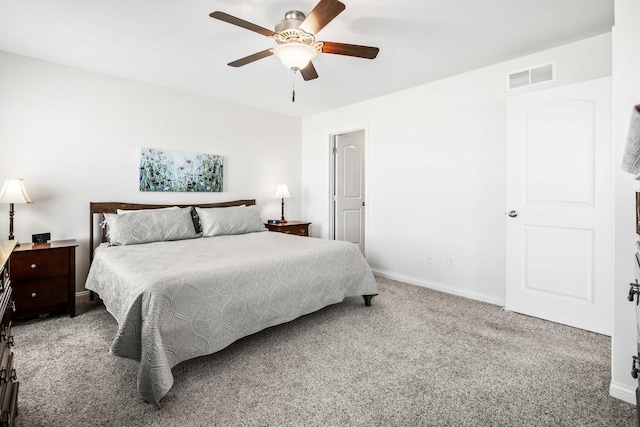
x: 150, y: 225
x: 231, y: 220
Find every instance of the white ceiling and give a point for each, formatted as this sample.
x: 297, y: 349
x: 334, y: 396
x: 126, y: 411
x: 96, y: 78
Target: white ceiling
x: 176, y: 44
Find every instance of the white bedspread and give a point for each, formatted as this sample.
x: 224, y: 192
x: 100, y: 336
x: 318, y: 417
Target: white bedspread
x: 178, y: 300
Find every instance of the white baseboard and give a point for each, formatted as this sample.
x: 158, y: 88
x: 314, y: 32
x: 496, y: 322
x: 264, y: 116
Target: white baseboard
x: 82, y: 295
x: 622, y: 392
x: 438, y: 287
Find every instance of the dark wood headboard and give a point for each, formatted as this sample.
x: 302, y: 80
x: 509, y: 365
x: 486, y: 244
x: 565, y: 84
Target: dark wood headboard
x: 98, y: 209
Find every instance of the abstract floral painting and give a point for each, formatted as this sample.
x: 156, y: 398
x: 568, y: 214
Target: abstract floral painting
x: 162, y: 170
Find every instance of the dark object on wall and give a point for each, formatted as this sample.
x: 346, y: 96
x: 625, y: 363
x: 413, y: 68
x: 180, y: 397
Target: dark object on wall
x: 637, y: 212
x: 40, y: 238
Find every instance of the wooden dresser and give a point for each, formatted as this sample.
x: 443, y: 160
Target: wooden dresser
x: 44, y: 278
x: 299, y: 228
x: 8, y: 379
x: 634, y: 296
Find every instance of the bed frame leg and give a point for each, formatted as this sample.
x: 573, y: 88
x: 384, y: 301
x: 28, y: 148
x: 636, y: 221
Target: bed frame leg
x: 367, y: 299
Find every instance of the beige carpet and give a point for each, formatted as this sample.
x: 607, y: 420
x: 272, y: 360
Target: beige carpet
x: 416, y: 357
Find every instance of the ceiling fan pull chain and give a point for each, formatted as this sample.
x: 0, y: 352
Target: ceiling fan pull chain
x: 293, y: 85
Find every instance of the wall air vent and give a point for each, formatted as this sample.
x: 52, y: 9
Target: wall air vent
x: 532, y: 76
x: 520, y: 79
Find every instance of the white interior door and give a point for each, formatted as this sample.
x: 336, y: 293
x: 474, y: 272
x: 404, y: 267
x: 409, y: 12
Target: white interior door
x: 560, y: 201
x: 349, y: 200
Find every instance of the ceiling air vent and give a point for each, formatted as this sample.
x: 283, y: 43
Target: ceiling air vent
x: 532, y: 76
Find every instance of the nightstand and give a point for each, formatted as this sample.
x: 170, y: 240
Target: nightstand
x: 298, y: 228
x: 44, y: 278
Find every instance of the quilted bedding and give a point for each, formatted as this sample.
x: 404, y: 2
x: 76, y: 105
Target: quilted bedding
x: 178, y: 300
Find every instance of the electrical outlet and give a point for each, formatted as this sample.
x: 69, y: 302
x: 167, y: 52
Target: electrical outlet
x: 450, y: 261
x: 429, y: 259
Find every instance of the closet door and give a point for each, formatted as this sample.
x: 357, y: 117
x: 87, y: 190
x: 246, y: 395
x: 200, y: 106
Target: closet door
x: 560, y: 205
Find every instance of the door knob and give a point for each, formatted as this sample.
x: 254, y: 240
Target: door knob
x: 512, y: 214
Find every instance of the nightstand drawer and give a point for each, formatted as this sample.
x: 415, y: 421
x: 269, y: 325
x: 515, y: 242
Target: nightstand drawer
x: 298, y: 230
x: 33, y: 294
x: 39, y: 264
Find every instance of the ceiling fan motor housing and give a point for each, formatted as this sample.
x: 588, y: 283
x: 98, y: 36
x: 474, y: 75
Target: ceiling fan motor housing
x: 288, y: 30
x: 292, y: 20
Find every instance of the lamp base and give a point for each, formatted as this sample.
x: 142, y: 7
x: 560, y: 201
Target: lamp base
x: 282, y: 220
x: 11, y: 215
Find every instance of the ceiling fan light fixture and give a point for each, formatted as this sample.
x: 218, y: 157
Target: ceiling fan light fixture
x: 295, y: 56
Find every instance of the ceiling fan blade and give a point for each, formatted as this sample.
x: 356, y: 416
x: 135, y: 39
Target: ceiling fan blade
x: 241, y: 23
x: 321, y: 15
x: 309, y: 72
x: 251, y: 58
x: 367, y: 52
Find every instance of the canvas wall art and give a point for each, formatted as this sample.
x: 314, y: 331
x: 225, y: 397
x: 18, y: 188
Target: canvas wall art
x: 162, y: 170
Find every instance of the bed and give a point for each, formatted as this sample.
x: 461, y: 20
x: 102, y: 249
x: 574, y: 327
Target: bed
x: 179, y: 296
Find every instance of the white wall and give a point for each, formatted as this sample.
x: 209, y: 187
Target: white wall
x: 435, y: 162
x: 75, y: 137
x: 436, y: 171
x: 626, y: 94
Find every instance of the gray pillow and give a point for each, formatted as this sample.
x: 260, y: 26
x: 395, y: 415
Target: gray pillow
x: 152, y: 225
x: 232, y: 220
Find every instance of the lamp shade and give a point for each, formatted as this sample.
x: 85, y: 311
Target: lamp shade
x: 13, y: 191
x: 295, y: 56
x: 282, y: 192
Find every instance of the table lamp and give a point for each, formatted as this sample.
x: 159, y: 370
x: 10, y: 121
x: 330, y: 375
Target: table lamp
x: 12, y: 192
x: 282, y: 192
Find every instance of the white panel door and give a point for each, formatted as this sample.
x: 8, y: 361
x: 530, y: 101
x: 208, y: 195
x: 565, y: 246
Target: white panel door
x: 349, y: 189
x: 560, y: 205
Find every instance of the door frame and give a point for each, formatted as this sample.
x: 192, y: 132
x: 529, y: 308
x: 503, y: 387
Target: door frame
x: 332, y: 182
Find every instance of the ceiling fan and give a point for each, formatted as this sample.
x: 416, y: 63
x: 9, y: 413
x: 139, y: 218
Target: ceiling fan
x: 296, y: 38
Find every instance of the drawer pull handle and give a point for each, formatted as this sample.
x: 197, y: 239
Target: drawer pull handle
x: 33, y: 295
x: 33, y: 266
